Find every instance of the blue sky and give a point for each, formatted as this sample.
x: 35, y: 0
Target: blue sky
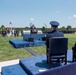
x: 38, y: 12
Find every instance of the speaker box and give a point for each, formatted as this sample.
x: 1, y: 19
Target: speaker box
x: 30, y: 39
x: 43, y: 38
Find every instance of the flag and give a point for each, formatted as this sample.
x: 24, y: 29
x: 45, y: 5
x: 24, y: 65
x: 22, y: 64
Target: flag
x: 11, y: 22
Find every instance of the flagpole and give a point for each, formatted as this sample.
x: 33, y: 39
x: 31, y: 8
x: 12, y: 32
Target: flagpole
x: 11, y: 27
x: 30, y: 29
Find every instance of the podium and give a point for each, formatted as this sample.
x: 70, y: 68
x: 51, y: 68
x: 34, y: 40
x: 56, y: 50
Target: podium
x: 33, y: 31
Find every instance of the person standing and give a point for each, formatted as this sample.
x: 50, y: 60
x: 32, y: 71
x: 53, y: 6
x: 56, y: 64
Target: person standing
x: 33, y: 29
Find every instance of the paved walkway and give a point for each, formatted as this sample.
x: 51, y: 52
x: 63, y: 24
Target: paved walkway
x: 31, y: 51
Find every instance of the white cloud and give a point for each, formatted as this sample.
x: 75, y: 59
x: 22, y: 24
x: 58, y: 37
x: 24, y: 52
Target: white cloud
x: 73, y: 17
x: 32, y: 19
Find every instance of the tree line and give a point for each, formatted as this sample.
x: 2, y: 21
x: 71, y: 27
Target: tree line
x: 69, y: 27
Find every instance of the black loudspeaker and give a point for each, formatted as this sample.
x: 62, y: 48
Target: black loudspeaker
x: 43, y: 38
x: 30, y: 39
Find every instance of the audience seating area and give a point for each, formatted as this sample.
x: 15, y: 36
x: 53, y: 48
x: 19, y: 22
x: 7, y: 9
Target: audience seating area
x: 36, y: 65
x: 38, y: 41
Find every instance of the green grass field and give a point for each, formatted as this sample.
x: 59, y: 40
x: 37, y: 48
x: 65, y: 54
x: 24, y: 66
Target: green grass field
x: 7, y: 52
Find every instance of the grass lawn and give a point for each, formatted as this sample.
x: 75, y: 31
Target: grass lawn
x: 7, y: 52
x: 71, y: 41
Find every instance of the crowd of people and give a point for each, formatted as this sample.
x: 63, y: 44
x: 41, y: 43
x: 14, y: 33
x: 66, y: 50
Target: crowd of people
x: 10, y: 32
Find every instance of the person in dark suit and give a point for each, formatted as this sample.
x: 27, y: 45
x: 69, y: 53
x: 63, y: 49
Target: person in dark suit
x: 54, y: 32
x: 33, y: 29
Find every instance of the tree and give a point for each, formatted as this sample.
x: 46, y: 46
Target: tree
x: 26, y: 28
x: 69, y: 27
x: 62, y: 28
x: 2, y: 27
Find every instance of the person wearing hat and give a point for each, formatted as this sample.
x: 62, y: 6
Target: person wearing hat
x: 53, y: 33
x: 54, y: 27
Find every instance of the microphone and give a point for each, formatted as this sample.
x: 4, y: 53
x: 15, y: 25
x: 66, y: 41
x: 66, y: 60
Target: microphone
x: 45, y: 27
x: 30, y: 39
x: 30, y: 29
